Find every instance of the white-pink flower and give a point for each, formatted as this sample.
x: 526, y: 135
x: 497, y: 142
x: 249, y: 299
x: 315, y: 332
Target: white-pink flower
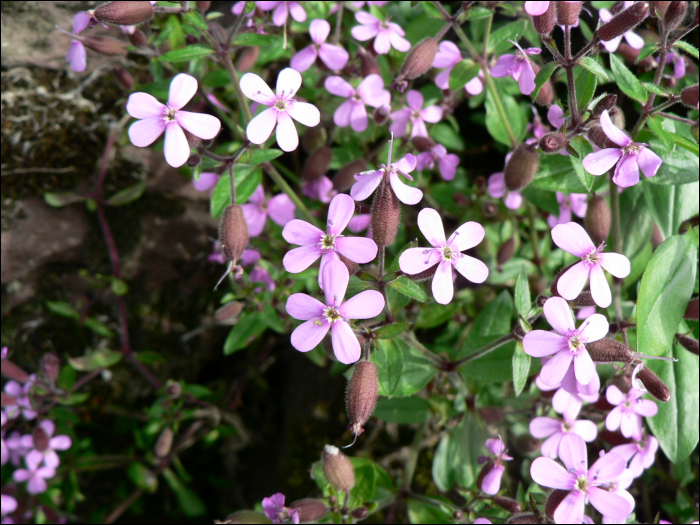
x: 628, y: 412
x: 640, y: 454
x: 77, y: 56
x: 352, y: 112
x: 206, y: 181
x: 518, y: 67
x: 447, y: 162
x: 566, y: 403
x: 34, y: 474
x: 386, y: 34
x: 335, y: 57
x: 282, y: 109
x: 446, y: 253
x: 574, y: 202
x: 536, y: 8
x: 156, y: 118
x: 416, y: 115
x: 446, y: 58
x: 553, y: 430
x: 633, y: 39
x: 497, y: 190
x: 282, y: 10
x: 573, y: 238
x: 280, y: 208
x: 367, y: 181
x: 491, y: 482
x: 55, y: 443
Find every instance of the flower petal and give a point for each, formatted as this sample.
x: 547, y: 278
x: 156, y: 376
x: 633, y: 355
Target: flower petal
x: 177, y: 150
x: 365, y: 305
x: 570, y: 510
x: 443, y: 289
x: 366, y: 183
x: 634, y: 40
x: 301, y: 233
x: 309, y: 334
x: 583, y: 366
x: 372, y: 91
x: 288, y: 82
x: 304, y: 59
x: 287, y: 136
x: 492, y: 481
x: 255, y: 88
x: 572, y: 452
x: 77, y: 56
x: 298, y: 13
x: 144, y: 106
x: 199, y: 124
x: 572, y: 238
x: 503, y: 66
x: 542, y: 427
x: 182, y: 89
x: 430, y: 225
x: 536, y: 8
x: 555, y: 369
x: 281, y: 209
x: 260, y: 128
x: 342, y: 115
x: 614, y: 395
x: 358, y: 116
x: 397, y: 40
x: 299, y: 259
x: 335, y: 282
x: 358, y: 249
x: 600, y: 289
x: 472, y: 269
x: 404, y: 192
x: 586, y: 429
x: 364, y: 32
x: 304, y: 307
x: 648, y: 161
x: 143, y: 133
x: 610, y: 505
x: 595, y: 328
x: 526, y: 82
x: 613, y: 419
x: 627, y: 171
x: 255, y: 218
x: 406, y: 164
x: 416, y: 260
x: 340, y: 212
x: 319, y: 30
x: 335, y: 57
x: 645, y: 408
x: 414, y: 99
x: 554, y: 116
x: 497, y: 185
x: 346, y: 347
x: 382, y: 42
x: 447, y: 56
x: 602, y: 161
x: 550, y: 446
x: 549, y: 473
x: 558, y: 315
x: 304, y: 113
x: 572, y: 281
x: 614, y: 133
x: 540, y: 343
x: 468, y: 235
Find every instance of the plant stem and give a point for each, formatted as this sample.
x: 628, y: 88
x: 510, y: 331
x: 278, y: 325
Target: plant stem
x: 380, y: 276
x: 412, y: 459
x: 279, y: 180
x: 573, y: 103
x: 533, y: 236
x: 338, y: 22
x: 242, y: 101
x: 487, y: 35
x: 671, y: 116
x: 617, y: 244
x: 484, y: 350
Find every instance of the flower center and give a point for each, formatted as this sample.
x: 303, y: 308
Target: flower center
x: 581, y: 483
x: 328, y: 242
x: 281, y: 104
x: 576, y: 343
x: 566, y: 427
x: 332, y: 315
x: 447, y: 253
x: 169, y: 113
x: 593, y: 258
x: 633, y: 148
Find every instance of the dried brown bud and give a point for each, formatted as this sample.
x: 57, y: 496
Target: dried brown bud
x: 688, y: 343
x: 422, y: 143
x: 598, y: 219
x: 489, y: 209
x: 105, y: 45
x: 418, y: 60
x: 507, y: 503
x: 233, y: 232
x: 227, y: 313
x: 317, y: 164
x: 361, y: 395
x: 164, y: 443
x: 552, y: 143
x: 598, y: 137
x: 458, y: 515
x: 386, y: 215
x: 123, y: 77
x: 609, y: 351
x: 691, y: 312
x: 360, y: 513
x: 604, y: 104
x: 50, y: 367
x: 12, y: 371
x: 123, y: 13
x: 138, y: 38
x: 505, y: 252
x: 368, y: 63
x: 526, y: 517
x: 309, y: 509
x: 203, y: 6
x: 654, y: 385
x: 674, y: 14
x: 424, y: 275
x: 521, y: 168
x: 40, y: 439
x: 545, y: 22
x: 338, y: 469
x: 191, y: 40
x: 553, y: 501
x: 567, y: 13
x: 659, y: 8
x: 689, y: 96
x: 345, y: 177
x: 623, y: 22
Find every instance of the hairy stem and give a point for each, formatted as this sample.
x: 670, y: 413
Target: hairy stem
x: 573, y: 103
x: 484, y: 350
x: 617, y: 244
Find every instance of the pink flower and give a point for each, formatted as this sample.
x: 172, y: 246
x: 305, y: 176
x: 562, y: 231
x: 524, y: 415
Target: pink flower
x: 280, y: 209
x: 34, y: 474
x: 536, y: 8
x: 273, y: 506
x: 642, y: 454
x: 249, y: 257
x: 21, y: 395
x: 416, y: 115
x: 633, y: 39
x: 585, y: 312
x: 448, y: 254
x: 566, y: 403
x: 447, y: 162
x: 678, y: 64
x: 367, y: 181
x: 628, y: 412
x: 320, y: 189
x: 207, y: 180
x: 360, y: 222
x: 575, y: 202
x: 583, y: 483
x: 282, y: 108
x: 4, y: 451
x: 62, y: 442
x: 18, y: 446
x: 8, y: 505
x: 633, y: 156
x: 573, y: 238
x: 497, y: 189
x: 387, y: 33
x: 566, y: 344
x: 447, y: 57
x: 77, y: 57
x: 261, y: 275
x: 334, y: 315
x: 352, y: 112
x: 283, y: 10
x: 315, y: 243
x: 554, y: 116
x: 518, y: 67
x: 334, y: 57
x: 491, y: 482
x: 157, y: 117
x: 554, y: 430
x: 620, y: 487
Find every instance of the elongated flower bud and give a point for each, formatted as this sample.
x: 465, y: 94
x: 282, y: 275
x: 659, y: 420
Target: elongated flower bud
x: 345, y: 177
x: 418, y: 60
x: 424, y: 275
x: 567, y: 13
x: 381, y: 115
x: 360, y: 513
x: 584, y: 300
x: 386, y: 215
x: 361, y: 395
x: 309, y: 509
x: 521, y: 168
x: 245, y: 516
x: 123, y: 77
x: 338, y: 469
x: 598, y: 219
x: 233, y: 232
x: 609, y: 351
x: 689, y: 96
x: 40, y: 439
x: 164, y: 443
x: 526, y: 517
x: 604, y: 104
x: 12, y: 371
x: 598, y: 137
x: 545, y: 22
x: 553, y: 501
x: 248, y: 58
x: 552, y: 143
x: 623, y: 22
x: 688, y: 343
x: 507, y: 503
x: 138, y: 38
x: 105, y: 45
x: 659, y: 8
x: 653, y: 384
x: 317, y: 164
x: 422, y: 143
x: 674, y: 14
x: 350, y: 265
x: 368, y: 63
x: 631, y: 54
x: 123, y: 13
x: 505, y: 252
x: 691, y: 312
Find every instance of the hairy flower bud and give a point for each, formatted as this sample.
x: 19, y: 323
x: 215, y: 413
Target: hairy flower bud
x: 164, y: 443
x: 173, y: 389
x: 40, y: 439
x: 248, y: 58
x: 567, y: 13
x: 386, y: 215
x: 422, y: 143
x: 598, y: 219
x: 123, y: 77
x: 489, y: 209
x: 138, y: 38
x: 546, y: 93
x: 674, y: 14
x: 381, y: 115
x: 598, y: 137
x: 123, y: 13
x: 424, y: 275
x: 659, y: 8
x: 507, y: 503
x: 545, y: 22
x: 553, y: 501
x: 689, y: 96
x: 203, y: 6
x: 368, y: 63
x: 604, y: 104
x: 12, y: 371
x: 623, y: 22
x: 521, y: 168
x: 688, y: 343
x: 338, y: 469
x: 505, y: 252
x: 345, y: 177
x: 691, y: 312
x: 244, y: 517
x: 49, y: 367
x: 309, y: 509
x: 526, y: 517
x: 233, y: 232
x: 552, y: 143
x: 317, y: 164
x: 418, y: 60
x: 654, y: 385
x: 458, y: 515
x: 105, y: 45
x: 361, y: 395
x: 609, y: 351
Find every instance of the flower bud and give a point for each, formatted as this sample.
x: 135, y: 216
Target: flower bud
x: 623, y: 22
x: 105, y: 45
x: 688, y: 343
x: 526, y: 444
x: 489, y: 209
x: 552, y: 143
x: 123, y: 13
x: 654, y: 385
x: 584, y: 300
x: 424, y: 275
x: 674, y: 14
x: 659, y: 8
x: 317, y: 164
x: 350, y: 265
x: 360, y: 513
x: 245, y: 516
x: 361, y: 395
x: 546, y: 93
x: 381, y: 115
x: 194, y: 160
x: 233, y: 232
x: 507, y: 503
x: 604, y: 104
x: 314, y: 138
x: 12, y: 371
x: 541, y: 299
x: 40, y: 439
x: 521, y: 168
x: 138, y: 38
x: 309, y: 509
x: 49, y: 367
x: 164, y: 443
x: 248, y: 58
x: 345, y: 177
x: 338, y: 469
x: 609, y: 351
x: 631, y: 54
x: 567, y: 13
x: 691, y: 312
x: 173, y: 389
x: 458, y: 515
x: 545, y: 22
x: 191, y: 40
x: 505, y: 252
x: 526, y: 517
x: 689, y: 96
x: 418, y: 60
x: 597, y: 220
x: 386, y: 215
x: 422, y: 143
x: 553, y: 501
x: 6, y: 400
x: 368, y: 63
x: 123, y: 77
x: 598, y: 137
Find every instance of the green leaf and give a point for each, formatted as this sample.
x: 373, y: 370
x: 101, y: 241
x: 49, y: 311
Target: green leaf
x: 688, y: 48
x: 416, y: 370
x: 142, y: 476
x: 585, y: 83
x: 409, y: 288
x: 635, y: 221
x: 626, y: 80
x: 664, y: 292
x: 74, y: 399
x: 127, y: 195
x: 521, y: 368
x: 477, y: 13
x: 186, y: 54
x: 523, y: 302
x: 403, y: 410
x: 583, y: 148
x: 542, y: 77
x: 436, y: 315
x: 555, y: 174
x: 456, y: 457
x: 516, y: 117
x: 501, y: 36
x: 428, y: 514
x: 679, y: 167
x: 676, y: 424
x: 101, y: 358
x: 444, y: 134
x: 59, y: 200
x: 653, y: 88
x: 248, y: 328
x: 253, y: 39
x: 190, y: 503
x: 62, y: 308
x: 247, y: 178
x: 463, y: 72
x: 258, y: 156
x: 648, y: 50
x: 655, y: 123
x: 365, y: 483
x: 389, y: 360
x: 671, y: 205
x: 119, y: 287
x: 98, y: 327
x: 390, y: 331
x: 194, y: 18
x: 592, y: 65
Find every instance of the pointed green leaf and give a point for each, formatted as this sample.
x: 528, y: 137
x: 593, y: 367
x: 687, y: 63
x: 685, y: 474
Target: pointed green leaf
x: 583, y: 148
x: 671, y: 205
x: 655, y: 123
x: 592, y: 65
x: 186, y: 54
x: 688, y: 48
x: 648, y: 50
x: 626, y: 80
x: 389, y: 360
x: 403, y: 410
x: 127, y: 195
x: 542, y: 77
x: 521, y: 368
x: 522, y: 293
x: 409, y: 288
x: 101, y: 358
x: 463, y: 72
x: 390, y: 331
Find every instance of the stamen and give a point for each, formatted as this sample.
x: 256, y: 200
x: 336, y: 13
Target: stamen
x: 391, y: 147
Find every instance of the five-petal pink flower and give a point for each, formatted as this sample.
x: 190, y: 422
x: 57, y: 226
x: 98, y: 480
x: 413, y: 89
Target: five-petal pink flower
x: 35, y: 475
x: 335, y: 57
x: 640, y: 454
x: 574, y: 202
x: 447, y: 162
x: 573, y: 238
x: 491, y: 482
x: 416, y: 115
x: 352, y: 112
x: 282, y: 109
x: 55, y: 443
x: 518, y: 67
x: 333, y: 315
x: 566, y: 403
x: 280, y: 208
x: 628, y: 412
x: 386, y: 34
x: 446, y: 254
x: 367, y: 181
x: 156, y: 118
x: 273, y: 506
x: 282, y: 10
x: 554, y: 430
x: 497, y: 190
